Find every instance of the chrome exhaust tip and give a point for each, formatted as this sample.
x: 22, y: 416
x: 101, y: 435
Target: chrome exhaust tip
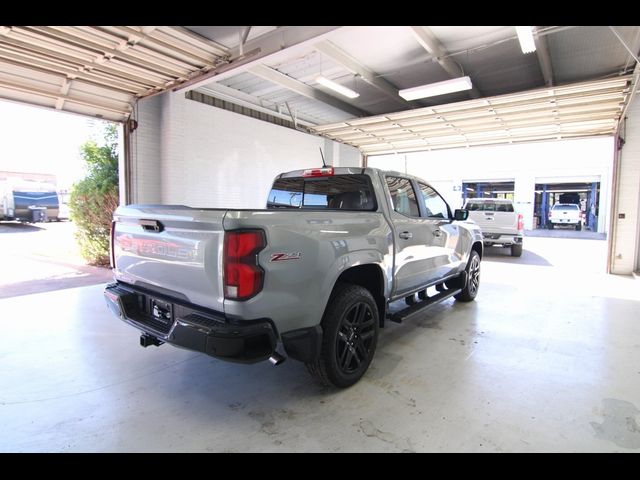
x: 276, y: 359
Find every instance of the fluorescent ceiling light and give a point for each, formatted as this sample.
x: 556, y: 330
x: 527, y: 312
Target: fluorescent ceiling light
x: 336, y: 87
x: 439, y: 88
x: 525, y: 36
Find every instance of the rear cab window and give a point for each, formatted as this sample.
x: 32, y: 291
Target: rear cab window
x: 489, y: 206
x: 333, y: 192
x: 565, y: 206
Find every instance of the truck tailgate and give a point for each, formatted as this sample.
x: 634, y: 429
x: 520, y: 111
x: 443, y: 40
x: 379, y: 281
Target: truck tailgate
x: 496, y: 222
x: 174, y: 250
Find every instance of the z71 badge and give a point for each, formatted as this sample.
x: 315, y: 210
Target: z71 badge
x: 279, y: 257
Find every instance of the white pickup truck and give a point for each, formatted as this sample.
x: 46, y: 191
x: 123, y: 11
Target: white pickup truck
x: 500, y: 223
x: 314, y: 272
x: 565, y: 214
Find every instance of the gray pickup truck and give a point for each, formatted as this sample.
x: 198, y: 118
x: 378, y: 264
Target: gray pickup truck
x: 311, y: 276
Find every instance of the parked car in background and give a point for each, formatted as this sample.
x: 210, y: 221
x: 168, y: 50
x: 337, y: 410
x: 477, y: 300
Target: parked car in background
x: 63, y: 212
x: 28, y: 205
x: 565, y: 214
x: 500, y: 223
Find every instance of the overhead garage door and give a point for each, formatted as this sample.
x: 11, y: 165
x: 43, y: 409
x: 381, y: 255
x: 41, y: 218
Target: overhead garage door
x: 99, y: 71
x: 571, y: 111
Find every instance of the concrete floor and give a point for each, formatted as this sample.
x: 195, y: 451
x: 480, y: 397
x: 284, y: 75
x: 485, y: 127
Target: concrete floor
x: 546, y: 359
x: 565, y: 232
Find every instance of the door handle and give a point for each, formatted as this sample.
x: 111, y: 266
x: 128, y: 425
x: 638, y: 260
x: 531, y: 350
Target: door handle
x: 405, y: 235
x: 437, y: 232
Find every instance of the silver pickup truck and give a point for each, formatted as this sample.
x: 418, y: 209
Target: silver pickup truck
x: 311, y: 276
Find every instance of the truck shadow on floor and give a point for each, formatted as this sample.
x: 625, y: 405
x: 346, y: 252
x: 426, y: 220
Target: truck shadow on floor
x: 203, y: 375
x: 274, y: 401
x: 503, y: 255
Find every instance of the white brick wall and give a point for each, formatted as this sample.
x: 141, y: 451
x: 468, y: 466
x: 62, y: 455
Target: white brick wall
x: 626, y: 238
x: 586, y: 160
x: 198, y: 155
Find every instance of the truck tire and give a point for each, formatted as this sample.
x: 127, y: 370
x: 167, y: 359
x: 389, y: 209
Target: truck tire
x: 516, y: 250
x: 349, y: 339
x: 470, y: 291
x: 579, y: 227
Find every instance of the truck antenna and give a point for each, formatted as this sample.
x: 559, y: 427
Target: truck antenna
x: 321, y: 154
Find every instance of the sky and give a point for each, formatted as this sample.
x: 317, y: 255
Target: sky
x: 41, y: 140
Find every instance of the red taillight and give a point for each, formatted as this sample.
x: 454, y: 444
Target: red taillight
x: 318, y: 172
x: 520, y: 222
x: 112, y: 253
x: 242, y: 275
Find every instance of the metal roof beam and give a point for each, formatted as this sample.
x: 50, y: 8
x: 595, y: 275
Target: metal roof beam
x: 432, y: 45
x: 544, y: 59
x: 339, y: 56
x: 273, y: 47
x: 303, y: 89
x: 244, y: 34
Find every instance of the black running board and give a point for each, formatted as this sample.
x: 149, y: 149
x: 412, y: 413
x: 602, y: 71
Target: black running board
x: 398, y: 317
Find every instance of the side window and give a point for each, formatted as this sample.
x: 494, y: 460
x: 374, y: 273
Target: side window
x: 434, y: 205
x: 403, y: 196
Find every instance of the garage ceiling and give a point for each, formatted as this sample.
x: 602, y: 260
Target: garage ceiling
x: 103, y: 71
x: 379, y: 61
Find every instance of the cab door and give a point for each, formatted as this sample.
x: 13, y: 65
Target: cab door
x: 444, y: 250
x: 412, y: 237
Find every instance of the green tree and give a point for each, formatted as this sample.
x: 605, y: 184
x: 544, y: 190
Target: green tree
x: 94, y: 198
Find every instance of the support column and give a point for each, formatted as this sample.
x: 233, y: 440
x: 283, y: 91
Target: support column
x: 524, y: 194
x: 543, y: 207
x: 592, y: 219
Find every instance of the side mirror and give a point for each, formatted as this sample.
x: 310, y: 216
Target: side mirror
x: 461, y: 214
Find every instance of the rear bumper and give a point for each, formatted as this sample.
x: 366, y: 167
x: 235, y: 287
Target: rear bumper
x: 565, y: 221
x: 184, y: 325
x: 497, y: 238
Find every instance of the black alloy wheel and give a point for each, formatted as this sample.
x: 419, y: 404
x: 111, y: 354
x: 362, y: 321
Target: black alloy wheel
x: 355, y: 338
x: 470, y: 291
x: 349, y: 336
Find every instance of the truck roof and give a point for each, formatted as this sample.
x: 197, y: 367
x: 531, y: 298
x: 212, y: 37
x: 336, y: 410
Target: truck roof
x: 354, y: 171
